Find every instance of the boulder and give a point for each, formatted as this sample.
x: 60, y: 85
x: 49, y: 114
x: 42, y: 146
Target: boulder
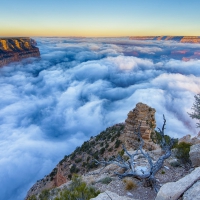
x: 188, y: 139
x: 195, y: 155
x: 193, y: 193
x: 108, y: 195
x: 173, y: 190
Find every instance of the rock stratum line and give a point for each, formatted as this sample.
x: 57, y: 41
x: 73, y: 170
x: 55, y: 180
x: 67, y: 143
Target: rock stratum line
x: 16, y: 49
x: 181, y: 39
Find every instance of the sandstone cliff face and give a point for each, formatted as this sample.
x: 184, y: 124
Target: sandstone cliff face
x: 15, y: 49
x: 146, y: 116
x: 182, y: 39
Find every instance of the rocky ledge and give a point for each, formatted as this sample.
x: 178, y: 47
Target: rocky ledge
x: 15, y: 49
x: 181, y: 39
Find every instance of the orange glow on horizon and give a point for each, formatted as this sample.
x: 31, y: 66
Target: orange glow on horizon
x: 89, y: 33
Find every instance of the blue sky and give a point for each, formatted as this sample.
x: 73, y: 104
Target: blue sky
x: 99, y: 18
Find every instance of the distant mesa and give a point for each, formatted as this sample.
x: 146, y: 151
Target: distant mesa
x: 16, y: 49
x: 181, y: 39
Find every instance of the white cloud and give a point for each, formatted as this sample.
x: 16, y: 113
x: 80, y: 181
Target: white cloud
x: 77, y: 89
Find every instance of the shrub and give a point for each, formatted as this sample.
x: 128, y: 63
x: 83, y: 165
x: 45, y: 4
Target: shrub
x: 182, y: 153
x: 175, y: 164
x: 110, y: 149
x: 70, y: 176
x: 162, y: 172
x: 129, y: 184
x: 74, y: 169
x: 88, y: 158
x: 91, y: 165
x: 101, y: 144
x: 77, y: 190
x: 121, y: 153
x: 157, y: 138
x: 107, y: 145
x: 73, y: 156
x: 78, y: 160
x: 33, y: 197
x: 44, y: 195
x: 102, y: 150
x: 105, y: 180
x: 117, y: 143
x: 84, y: 164
x: 95, y: 155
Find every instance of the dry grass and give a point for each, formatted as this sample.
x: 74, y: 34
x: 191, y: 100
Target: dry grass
x: 129, y: 184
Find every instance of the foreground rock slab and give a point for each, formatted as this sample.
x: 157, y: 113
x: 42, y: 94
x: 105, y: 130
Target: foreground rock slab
x: 173, y: 190
x: 108, y: 195
x: 195, y: 155
x: 193, y: 193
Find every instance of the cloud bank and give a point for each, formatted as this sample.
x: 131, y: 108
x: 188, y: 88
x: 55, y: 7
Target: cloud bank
x: 78, y: 87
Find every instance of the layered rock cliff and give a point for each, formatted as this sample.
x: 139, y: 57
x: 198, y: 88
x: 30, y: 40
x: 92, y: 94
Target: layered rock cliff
x: 181, y: 39
x: 144, y: 116
x: 15, y: 49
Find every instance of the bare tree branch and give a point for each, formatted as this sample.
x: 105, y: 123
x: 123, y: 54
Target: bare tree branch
x: 129, y: 165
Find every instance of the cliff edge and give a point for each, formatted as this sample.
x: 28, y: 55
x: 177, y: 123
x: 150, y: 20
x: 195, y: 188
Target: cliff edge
x: 181, y: 39
x: 15, y: 49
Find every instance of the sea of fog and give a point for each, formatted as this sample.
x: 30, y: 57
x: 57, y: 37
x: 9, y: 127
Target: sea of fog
x: 80, y: 86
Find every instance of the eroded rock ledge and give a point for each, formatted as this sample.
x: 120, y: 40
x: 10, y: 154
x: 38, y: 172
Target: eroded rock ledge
x: 15, y: 49
x: 181, y: 39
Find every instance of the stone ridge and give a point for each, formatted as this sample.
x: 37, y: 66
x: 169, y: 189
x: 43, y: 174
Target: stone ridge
x: 105, y: 145
x: 181, y: 39
x: 15, y: 49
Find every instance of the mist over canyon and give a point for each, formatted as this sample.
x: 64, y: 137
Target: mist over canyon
x: 80, y: 86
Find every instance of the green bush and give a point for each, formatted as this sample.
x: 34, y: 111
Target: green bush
x: 45, y: 194
x: 105, y: 180
x: 78, y: 160
x: 110, y: 149
x: 157, y: 138
x: 101, y: 144
x: 33, y: 197
x: 182, y: 153
x: 175, y: 164
x: 102, y: 150
x: 77, y: 190
x: 113, y: 138
x: 121, y: 153
x: 162, y: 172
x: 91, y: 165
x: 74, y: 169
x: 69, y: 176
x: 107, y: 145
x: 88, y: 158
x: 117, y: 143
x: 96, y: 155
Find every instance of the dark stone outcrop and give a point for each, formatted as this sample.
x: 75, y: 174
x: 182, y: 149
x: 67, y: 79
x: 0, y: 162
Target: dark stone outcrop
x: 15, y: 49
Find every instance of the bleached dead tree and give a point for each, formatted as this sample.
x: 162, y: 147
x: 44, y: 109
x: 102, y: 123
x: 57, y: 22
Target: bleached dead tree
x: 129, y: 165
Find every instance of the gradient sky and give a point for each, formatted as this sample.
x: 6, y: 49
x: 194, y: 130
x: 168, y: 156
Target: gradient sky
x: 99, y: 17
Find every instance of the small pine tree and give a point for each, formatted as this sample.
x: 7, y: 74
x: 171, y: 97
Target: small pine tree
x: 196, y: 109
